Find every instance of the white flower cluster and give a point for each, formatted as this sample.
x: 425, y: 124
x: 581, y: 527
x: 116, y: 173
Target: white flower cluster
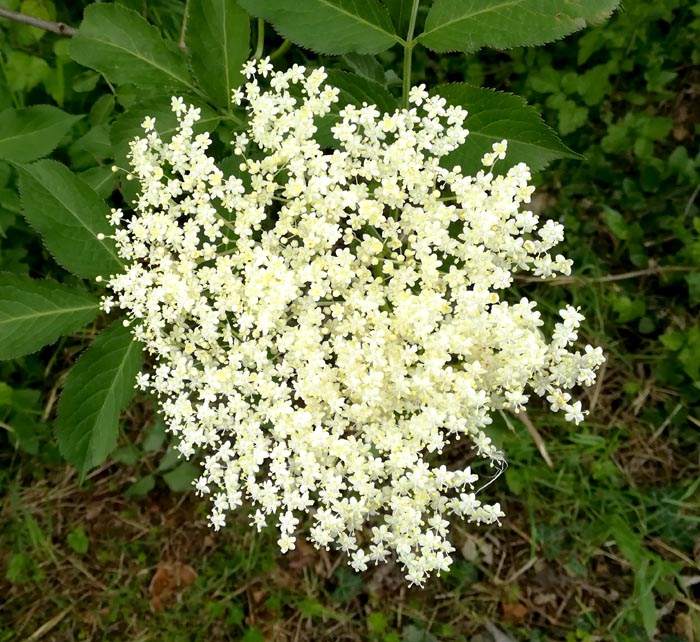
x: 325, y: 324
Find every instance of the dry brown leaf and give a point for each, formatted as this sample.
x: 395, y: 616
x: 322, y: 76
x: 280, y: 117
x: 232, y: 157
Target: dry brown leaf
x: 514, y: 611
x: 169, y: 578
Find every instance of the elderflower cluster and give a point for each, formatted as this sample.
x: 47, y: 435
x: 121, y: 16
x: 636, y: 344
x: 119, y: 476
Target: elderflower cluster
x: 324, y: 324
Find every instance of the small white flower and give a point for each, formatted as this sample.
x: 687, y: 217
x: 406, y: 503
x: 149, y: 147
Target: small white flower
x: 148, y: 123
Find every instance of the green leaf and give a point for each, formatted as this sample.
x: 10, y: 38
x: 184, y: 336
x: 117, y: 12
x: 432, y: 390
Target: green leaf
x: 329, y: 26
x: 169, y: 460
x: 368, y: 67
x: 24, y: 72
x: 69, y: 215
x: 155, y: 437
x: 5, y: 394
x: 253, y: 635
x: 494, y: 116
x: 35, y: 313
x: 673, y: 340
x: 25, y: 432
x: 356, y: 90
x: 218, y: 37
x: 96, y: 390
x: 128, y: 455
x: 28, y: 134
x: 377, y: 622
x: 180, y: 478
x: 121, y: 45
x: 616, y: 222
x: 314, y: 609
x: 141, y: 487
x: 78, y: 540
x: 101, y: 179
x: 400, y: 12
x: 468, y: 25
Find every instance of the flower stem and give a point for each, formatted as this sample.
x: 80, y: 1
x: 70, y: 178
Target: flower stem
x: 261, y: 39
x: 408, y: 54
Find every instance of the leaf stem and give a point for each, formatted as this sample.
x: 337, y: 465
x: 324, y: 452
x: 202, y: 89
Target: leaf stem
x: 408, y: 55
x: 54, y: 27
x: 281, y: 50
x: 261, y: 39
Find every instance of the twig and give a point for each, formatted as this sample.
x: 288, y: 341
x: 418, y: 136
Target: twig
x: 567, y: 280
x: 60, y: 28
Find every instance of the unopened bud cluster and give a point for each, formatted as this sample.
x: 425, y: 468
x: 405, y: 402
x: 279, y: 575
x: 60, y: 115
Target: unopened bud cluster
x: 326, y: 323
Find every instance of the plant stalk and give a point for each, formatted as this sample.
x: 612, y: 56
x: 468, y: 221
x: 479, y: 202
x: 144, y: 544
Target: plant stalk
x: 261, y: 39
x: 408, y: 55
x: 183, y: 29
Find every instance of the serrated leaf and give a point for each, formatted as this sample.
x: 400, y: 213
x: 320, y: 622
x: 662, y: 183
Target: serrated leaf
x: 468, y: 25
x: 28, y: 134
x: 354, y: 90
x: 69, y: 215
x: 122, y: 46
x: 218, y: 38
x: 494, y: 116
x: 128, y: 126
x: 96, y: 390
x: 329, y: 26
x: 35, y: 313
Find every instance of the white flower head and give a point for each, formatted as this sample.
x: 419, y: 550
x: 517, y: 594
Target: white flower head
x: 325, y: 329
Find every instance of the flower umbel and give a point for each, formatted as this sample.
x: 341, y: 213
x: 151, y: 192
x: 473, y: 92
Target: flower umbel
x: 325, y: 323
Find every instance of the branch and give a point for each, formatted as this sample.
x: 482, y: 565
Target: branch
x: 568, y: 280
x: 54, y: 27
